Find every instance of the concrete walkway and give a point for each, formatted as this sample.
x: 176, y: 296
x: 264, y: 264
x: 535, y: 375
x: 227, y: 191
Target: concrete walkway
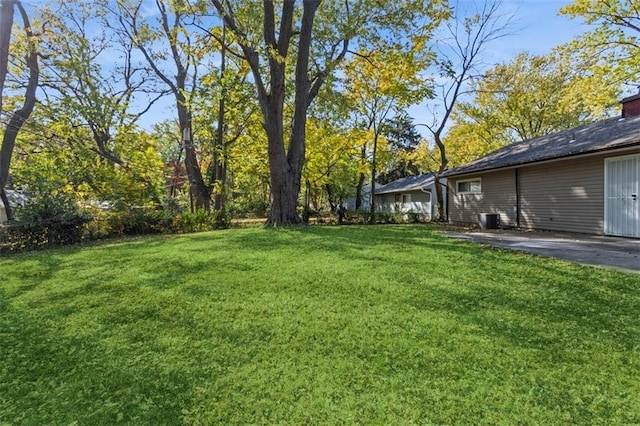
x: 607, y: 252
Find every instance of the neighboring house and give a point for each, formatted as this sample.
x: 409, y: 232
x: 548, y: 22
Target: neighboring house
x: 413, y: 194
x: 16, y: 198
x: 350, y: 203
x: 585, y: 179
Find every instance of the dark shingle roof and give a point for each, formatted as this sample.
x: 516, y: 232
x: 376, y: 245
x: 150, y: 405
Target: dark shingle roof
x: 411, y: 183
x: 599, y: 136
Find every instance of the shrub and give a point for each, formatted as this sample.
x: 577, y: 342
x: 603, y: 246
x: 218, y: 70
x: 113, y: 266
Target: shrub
x: 199, y: 221
x: 44, y: 221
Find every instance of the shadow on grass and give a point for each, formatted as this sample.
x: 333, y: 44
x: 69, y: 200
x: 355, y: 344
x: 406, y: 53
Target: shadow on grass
x: 580, y: 300
x: 561, y: 315
x: 120, y: 340
x: 87, y: 377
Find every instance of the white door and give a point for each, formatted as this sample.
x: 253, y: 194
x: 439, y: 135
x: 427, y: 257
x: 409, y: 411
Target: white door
x: 622, y: 196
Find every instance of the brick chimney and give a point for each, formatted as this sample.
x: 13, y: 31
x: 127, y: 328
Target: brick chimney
x: 631, y: 106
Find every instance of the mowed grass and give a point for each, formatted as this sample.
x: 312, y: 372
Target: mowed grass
x: 317, y: 325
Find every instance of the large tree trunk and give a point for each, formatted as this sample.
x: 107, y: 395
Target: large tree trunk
x: 285, y: 188
x: 201, y: 195
x: 19, y: 116
x: 444, y: 162
x: 372, y: 206
x: 285, y: 181
x: 286, y: 169
x: 285, y: 163
x: 359, y: 187
x: 6, y: 24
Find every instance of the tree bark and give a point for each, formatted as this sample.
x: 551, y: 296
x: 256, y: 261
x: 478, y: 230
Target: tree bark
x: 444, y: 163
x: 333, y: 203
x: 372, y: 206
x: 19, y: 116
x: 220, y: 147
x: 286, y: 167
x: 6, y: 24
x: 201, y: 195
x: 285, y: 163
x: 361, y: 179
x: 359, y: 186
x: 200, y: 192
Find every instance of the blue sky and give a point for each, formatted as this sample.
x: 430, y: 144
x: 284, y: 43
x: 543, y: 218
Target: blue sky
x: 538, y: 27
x: 535, y: 27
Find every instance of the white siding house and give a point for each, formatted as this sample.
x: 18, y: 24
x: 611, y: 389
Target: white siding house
x: 413, y: 194
x: 350, y: 203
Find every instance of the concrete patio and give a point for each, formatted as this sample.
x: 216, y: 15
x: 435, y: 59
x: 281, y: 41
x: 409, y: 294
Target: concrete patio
x: 608, y: 252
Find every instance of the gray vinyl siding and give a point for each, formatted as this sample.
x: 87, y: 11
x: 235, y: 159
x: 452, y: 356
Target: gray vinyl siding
x: 558, y: 196
x: 563, y: 196
x: 498, y: 195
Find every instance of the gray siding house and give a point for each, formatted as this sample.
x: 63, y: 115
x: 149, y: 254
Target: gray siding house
x: 413, y: 194
x: 585, y: 179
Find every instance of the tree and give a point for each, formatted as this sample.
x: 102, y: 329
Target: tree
x: 403, y: 139
x: 313, y: 39
x: 466, y: 35
x: 285, y: 164
x: 248, y: 172
x: 380, y: 85
x: 79, y: 89
x: 612, y: 46
x: 329, y: 170
x: 52, y: 159
x: 466, y: 140
x: 169, y: 40
x: 615, y: 16
x: 20, y: 115
x: 224, y: 108
x: 533, y: 96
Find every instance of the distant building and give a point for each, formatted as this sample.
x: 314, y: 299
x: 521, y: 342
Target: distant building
x: 350, y: 203
x: 16, y: 198
x: 413, y: 194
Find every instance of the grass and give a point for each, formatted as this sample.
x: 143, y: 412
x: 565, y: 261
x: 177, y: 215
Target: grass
x: 318, y: 325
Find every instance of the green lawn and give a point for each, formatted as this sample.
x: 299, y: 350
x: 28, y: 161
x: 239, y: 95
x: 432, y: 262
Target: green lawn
x: 318, y: 325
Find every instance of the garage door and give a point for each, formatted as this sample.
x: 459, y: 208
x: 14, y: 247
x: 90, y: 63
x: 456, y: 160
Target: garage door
x: 622, y: 192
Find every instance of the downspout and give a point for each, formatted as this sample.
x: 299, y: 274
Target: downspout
x: 517, y: 177
x: 446, y: 202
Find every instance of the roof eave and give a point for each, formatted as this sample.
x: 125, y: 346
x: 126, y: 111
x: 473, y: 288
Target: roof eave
x: 628, y: 147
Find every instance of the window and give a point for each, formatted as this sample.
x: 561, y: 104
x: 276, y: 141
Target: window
x: 470, y: 186
x: 402, y: 200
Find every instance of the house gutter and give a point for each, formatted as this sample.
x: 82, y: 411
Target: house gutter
x: 606, y: 151
x: 445, y: 198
